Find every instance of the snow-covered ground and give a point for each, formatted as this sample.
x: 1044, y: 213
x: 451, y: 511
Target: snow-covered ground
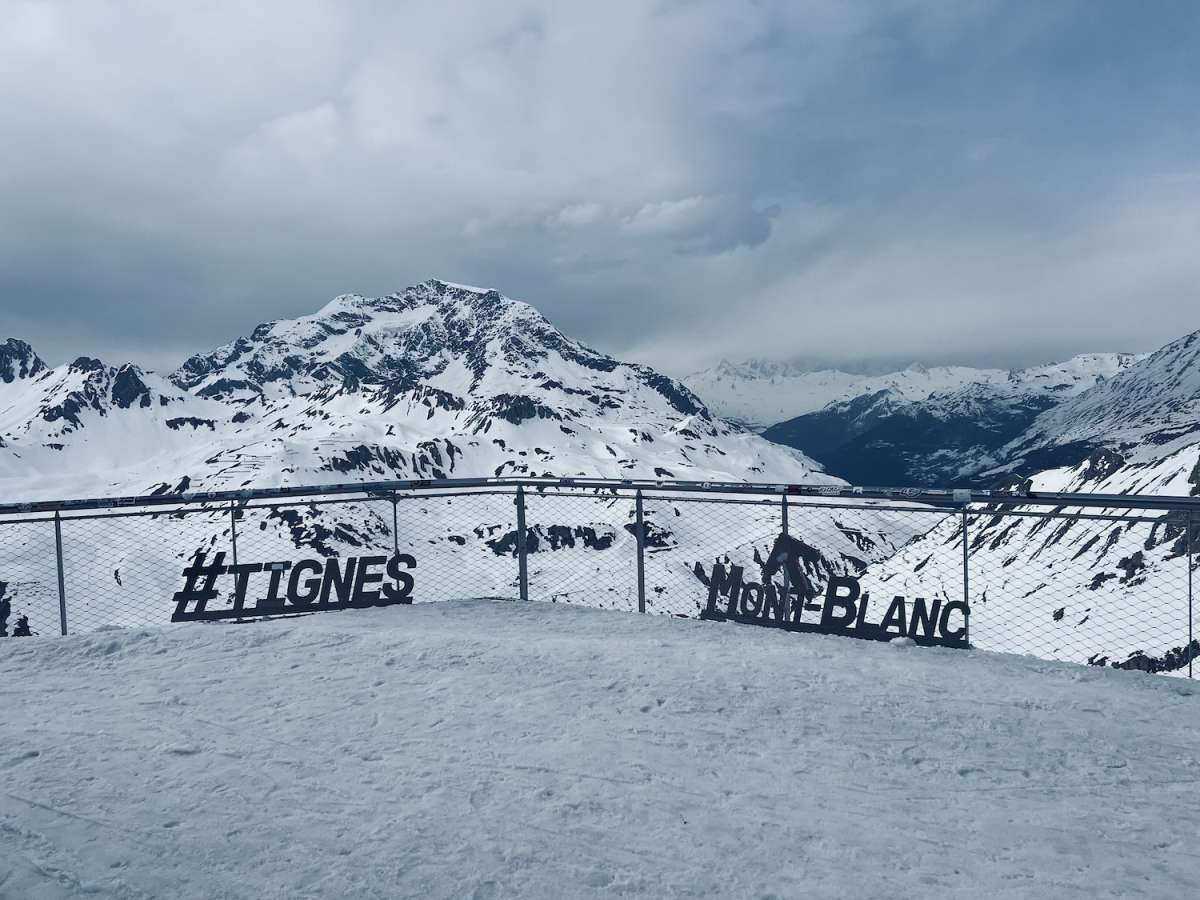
x: 475, y: 749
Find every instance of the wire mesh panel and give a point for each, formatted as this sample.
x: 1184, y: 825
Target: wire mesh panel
x: 382, y: 549
x: 296, y: 558
x: 582, y: 548
x: 794, y: 554
x: 465, y: 545
x: 686, y: 536
x: 124, y: 570
x: 907, y: 561
x: 1106, y: 587
x: 289, y: 532
x: 29, y: 576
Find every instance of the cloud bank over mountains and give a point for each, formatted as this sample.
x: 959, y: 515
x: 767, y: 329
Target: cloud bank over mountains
x: 673, y: 182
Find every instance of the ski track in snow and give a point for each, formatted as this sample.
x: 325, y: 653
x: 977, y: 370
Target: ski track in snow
x: 475, y: 749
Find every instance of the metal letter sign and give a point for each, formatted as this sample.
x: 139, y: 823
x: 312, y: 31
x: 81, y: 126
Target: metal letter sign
x: 312, y: 585
x: 21, y: 626
x: 844, y: 609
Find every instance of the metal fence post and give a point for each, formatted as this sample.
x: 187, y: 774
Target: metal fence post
x: 641, y: 554
x: 522, y: 560
x: 787, y: 577
x: 966, y: 577
x: 62, y: 586
x: 396, y: 530
x: 233, y: 529
x: 1191, y: 639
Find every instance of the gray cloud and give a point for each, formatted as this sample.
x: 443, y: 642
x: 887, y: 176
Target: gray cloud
x: 703, y: 225
x: 672, y: 181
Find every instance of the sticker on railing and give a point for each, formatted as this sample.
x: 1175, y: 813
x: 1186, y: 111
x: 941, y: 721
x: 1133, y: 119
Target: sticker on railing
x: 845, y: 609
x: 312, y: 585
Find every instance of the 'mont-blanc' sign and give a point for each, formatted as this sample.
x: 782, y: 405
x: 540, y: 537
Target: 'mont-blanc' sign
x: 843, y: 610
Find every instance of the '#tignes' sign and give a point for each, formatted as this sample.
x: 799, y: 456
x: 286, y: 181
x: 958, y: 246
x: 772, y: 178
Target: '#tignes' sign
x: 311, y: 585
x: 845, y: 610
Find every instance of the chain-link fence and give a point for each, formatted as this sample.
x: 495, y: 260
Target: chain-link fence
x: 1098, y: 580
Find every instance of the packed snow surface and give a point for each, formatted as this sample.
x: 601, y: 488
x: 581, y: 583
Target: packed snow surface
x: 474, y: 749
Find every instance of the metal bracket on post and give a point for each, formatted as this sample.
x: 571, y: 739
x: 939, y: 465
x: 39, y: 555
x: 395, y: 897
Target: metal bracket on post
x: 522, y: 558
x: 641, y: 554
x: 62, y: 587
x: 966, y: 577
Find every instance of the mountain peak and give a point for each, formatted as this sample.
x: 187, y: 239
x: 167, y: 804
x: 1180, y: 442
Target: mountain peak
x: 18, y: 361
x: 441, y: 284
x: 466, y: 341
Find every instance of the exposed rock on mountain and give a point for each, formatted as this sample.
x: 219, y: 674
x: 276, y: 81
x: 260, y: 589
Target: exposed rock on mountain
x: 18, y: 361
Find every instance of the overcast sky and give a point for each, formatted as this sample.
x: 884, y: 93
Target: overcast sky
x: 669, y: 181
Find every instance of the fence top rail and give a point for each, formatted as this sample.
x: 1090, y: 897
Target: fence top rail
x: 951, y: 497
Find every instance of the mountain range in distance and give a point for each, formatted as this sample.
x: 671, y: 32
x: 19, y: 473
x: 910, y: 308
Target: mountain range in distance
x: 956, y: 425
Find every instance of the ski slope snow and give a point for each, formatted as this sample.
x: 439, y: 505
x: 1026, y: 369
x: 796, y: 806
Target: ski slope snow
x: 476, y: 749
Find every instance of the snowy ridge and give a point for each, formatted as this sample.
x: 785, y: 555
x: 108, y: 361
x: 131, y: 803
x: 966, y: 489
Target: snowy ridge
x: 1146, y: 411
x: 89, y: 423
x: 759, y: 393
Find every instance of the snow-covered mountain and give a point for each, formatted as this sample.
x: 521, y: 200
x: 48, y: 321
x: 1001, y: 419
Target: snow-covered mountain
x: 87, y: 427
x: 1145, y: 413
x: 927, y: 427
x: 439, y: 380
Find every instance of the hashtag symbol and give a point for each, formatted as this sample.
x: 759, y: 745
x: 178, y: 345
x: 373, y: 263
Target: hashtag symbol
x: 193, y: 591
